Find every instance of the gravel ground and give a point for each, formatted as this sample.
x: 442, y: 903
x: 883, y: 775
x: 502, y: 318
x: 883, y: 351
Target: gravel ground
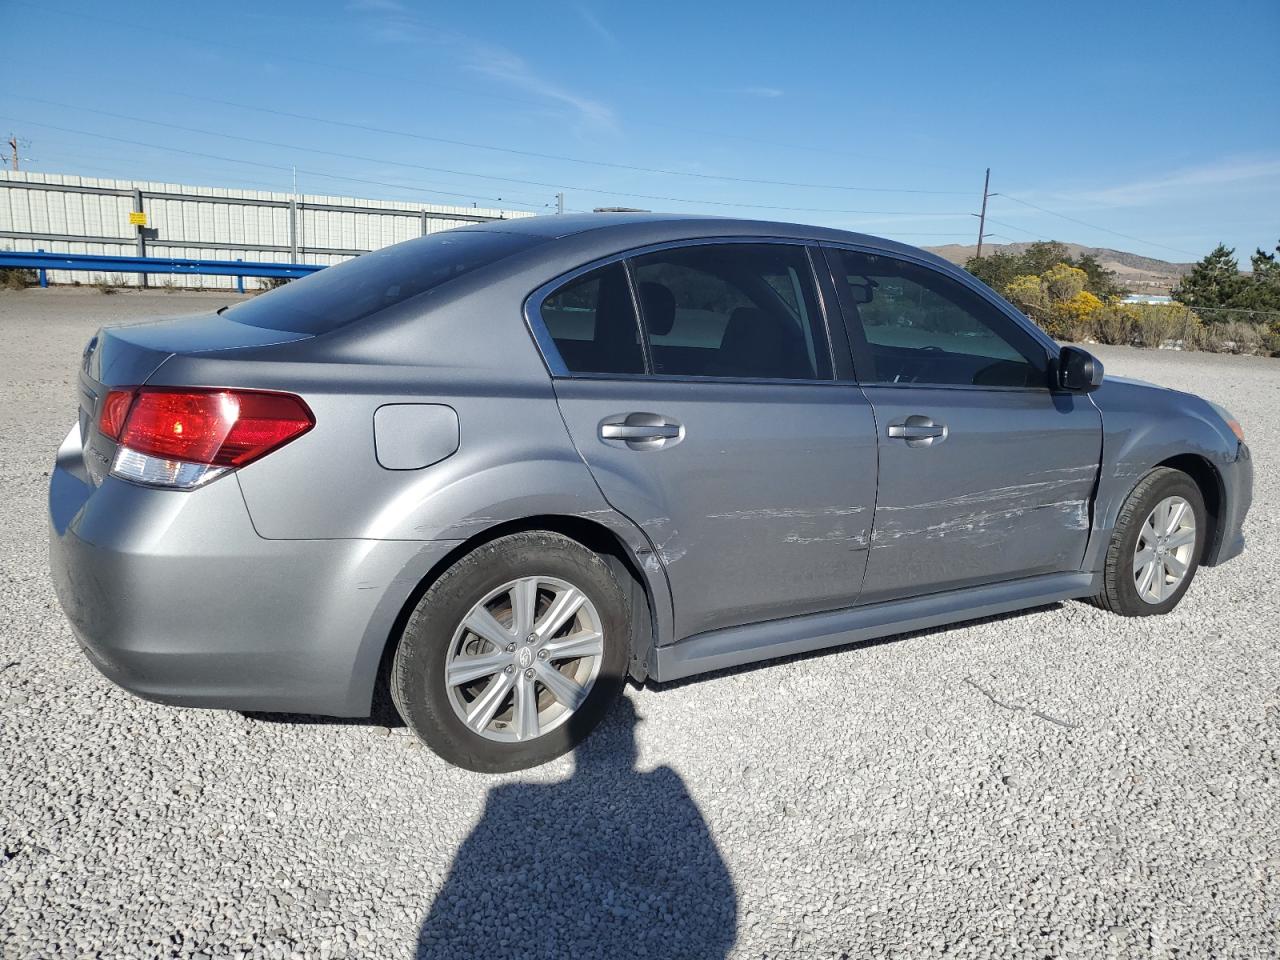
x: 895, y: 799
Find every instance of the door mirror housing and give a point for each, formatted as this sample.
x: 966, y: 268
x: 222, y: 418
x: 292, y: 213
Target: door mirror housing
x: 1077, y: 370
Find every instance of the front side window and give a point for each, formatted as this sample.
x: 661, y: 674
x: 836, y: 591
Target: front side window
x: 592, y: 320
x: 736, y: 310
x: 921, y: 326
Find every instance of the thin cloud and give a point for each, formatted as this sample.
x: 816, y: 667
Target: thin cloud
x: 502, y: 64
x: 1184, y: 183
x: 598, y: 28
x: 377, y: 6
x: 768, y: 93
x: 390, y: 22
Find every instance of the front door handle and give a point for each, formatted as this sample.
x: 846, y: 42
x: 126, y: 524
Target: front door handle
x: 918, y: 431
x: 642, y: 431
x: 627, y: 431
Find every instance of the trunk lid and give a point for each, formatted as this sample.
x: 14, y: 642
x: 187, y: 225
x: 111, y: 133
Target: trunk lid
x: 127, y: 356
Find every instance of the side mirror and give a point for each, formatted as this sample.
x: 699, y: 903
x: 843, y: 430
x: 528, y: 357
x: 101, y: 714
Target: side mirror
x: 863, y: 292
x: 1077, y: 370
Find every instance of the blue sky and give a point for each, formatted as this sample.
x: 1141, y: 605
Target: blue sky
x: 1153, y: 128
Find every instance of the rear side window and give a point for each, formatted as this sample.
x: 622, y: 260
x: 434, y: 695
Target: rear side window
x: 355, y: 289
x: 734, y: 310
x: 592, y: 320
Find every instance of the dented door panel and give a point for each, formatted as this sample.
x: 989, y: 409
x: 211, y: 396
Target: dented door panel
x: 1003, y: 492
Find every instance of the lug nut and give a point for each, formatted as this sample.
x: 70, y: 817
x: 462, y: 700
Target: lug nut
x: 533, y: 638
x: 528, y: 674
x: 542, y: 654
x: 511, y: 648
x: 510, y: 668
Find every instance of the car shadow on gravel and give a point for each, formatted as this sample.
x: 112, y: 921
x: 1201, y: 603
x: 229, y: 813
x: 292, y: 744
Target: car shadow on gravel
x: 612, y: 863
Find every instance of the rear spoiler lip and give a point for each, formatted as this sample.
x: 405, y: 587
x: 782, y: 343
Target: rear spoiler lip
x: 127, y: 355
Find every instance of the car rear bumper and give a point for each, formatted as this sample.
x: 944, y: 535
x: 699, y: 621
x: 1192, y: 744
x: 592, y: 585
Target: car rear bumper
x: 174, y: 596
x: 1237, y: 483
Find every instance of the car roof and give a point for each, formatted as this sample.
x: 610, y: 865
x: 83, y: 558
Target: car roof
x: 620, y: 230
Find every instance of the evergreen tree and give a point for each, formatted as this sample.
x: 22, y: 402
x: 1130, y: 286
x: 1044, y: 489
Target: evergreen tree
x: 1213, y: 282
x: 1261, y: 290
x: 1102, y: 282
x: 999, y: 270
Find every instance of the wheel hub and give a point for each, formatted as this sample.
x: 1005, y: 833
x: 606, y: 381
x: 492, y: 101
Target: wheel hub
x: 1163, y: 553
x: 524, y: 658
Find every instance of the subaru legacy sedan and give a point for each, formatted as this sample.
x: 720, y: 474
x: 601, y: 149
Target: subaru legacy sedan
x: 499, y: 469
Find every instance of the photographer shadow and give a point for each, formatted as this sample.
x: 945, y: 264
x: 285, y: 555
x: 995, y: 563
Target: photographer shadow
x: 611, y: 863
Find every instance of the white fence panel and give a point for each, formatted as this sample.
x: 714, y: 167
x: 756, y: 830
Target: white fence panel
x: 92, y: 216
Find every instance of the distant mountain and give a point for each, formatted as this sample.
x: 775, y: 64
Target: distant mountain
x: 1140, y: 274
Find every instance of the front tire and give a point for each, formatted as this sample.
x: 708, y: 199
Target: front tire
x: 514, y: 654
x: 1156, y: 546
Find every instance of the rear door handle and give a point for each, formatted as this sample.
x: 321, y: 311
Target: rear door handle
x: 641, y: 431
x: 918, y: 431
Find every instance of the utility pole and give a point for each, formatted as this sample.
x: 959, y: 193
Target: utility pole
x: 982, y: 217
x: 13, y: 145
x: 559, y: 203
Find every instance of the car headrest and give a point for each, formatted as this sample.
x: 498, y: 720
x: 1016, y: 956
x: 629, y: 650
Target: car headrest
x: 747, y: 324
x: 755, y: 344
x: 659, y: 305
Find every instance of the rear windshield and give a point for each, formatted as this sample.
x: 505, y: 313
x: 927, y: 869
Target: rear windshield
x: 355, y: 289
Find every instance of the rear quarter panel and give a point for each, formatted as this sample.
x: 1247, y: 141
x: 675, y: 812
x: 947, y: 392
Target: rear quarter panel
x: 470, y: 351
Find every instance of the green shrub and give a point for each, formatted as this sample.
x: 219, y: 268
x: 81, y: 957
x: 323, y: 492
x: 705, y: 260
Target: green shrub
x: 1233, y: 337
x: 1113, y: 323
x: 15, y: 278
x: 1271, y: 342
x: 1153, y: 323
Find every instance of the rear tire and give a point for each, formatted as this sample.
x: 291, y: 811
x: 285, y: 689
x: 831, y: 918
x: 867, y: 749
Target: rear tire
x: 1156, y: 546
x: 468, y: 672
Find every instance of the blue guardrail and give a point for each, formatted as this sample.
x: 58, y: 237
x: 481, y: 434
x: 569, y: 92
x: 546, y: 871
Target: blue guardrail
x: 88, y: 261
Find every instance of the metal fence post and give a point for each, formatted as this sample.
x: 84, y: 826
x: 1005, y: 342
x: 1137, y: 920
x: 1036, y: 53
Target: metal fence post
x: 239, y: 277
x: 424, y: 223
x: 44, y: 276
x: 142, y: 234
x: 293, y: 229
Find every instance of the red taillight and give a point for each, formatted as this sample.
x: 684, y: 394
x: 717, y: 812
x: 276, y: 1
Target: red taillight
x: 114, y: 409
x: 224, y: 428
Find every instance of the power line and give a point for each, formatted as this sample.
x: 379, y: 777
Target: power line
x: 277, y: 54
x: 78, y: 153
x: 463, y: 173
x: 390, y: 131
x: 1010, y: 226
x: 480, y: 146
x: 1094, y: 226
x: 283, y: 146
x: 258, y: 163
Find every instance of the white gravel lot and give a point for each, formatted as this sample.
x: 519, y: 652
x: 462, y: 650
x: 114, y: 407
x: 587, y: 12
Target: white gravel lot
x: 894, y: 799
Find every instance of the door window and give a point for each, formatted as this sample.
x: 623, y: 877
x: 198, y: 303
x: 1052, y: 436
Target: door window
x: 737, y: 310
x: 592, y: 320
x: 921, y: 326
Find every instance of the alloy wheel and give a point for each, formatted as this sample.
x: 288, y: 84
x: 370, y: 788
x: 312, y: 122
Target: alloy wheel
x: 1162, y: 555
x: 524, y: 659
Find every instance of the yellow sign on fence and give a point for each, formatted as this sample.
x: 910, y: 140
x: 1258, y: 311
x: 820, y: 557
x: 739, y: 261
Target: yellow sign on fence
x: 138, y: 219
